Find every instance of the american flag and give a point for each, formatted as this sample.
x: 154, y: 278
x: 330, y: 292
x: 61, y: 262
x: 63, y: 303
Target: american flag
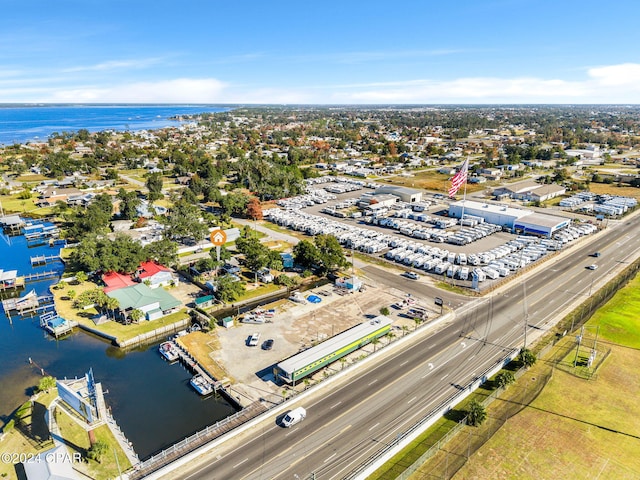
x: 458, y: 179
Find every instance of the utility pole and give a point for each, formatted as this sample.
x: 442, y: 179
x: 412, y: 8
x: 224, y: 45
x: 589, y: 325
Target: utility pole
x: 526, y: 313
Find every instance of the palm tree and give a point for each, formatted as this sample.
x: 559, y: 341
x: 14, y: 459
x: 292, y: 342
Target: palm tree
x: 404, y: 330
x: 476, y: 414
x: 81, y: 277
x: 136, y: 315
x: 527, y: 358
x: 504, y: 379
x: 375, y: 342
x: 112, y: 304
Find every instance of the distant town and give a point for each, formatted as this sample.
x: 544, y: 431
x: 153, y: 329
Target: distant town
x: 278, y: 252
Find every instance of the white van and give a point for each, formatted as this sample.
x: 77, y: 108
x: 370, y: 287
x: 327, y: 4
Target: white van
x: 294, y: 416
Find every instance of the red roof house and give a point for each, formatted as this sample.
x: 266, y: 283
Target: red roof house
x: 115, y: 280
x: 154, y: 274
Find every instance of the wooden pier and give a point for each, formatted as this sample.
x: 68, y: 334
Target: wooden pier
x: 44, y: 259
x: 195, y: 367
x: 40, y: 275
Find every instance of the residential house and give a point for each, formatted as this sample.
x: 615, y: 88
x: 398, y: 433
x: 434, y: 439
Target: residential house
x: 154, y: 275
x: 154, y: 303
x: 53, y: 194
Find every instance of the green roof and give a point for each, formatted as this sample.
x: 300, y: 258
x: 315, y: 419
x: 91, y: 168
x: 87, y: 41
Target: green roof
x: 138, y: 296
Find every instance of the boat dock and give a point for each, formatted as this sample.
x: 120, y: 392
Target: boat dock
x: 40, y: 275
x: 194, y: 366
x: 12, y: 224
x: 29, y: 303
x: 44, y: 259
x: 55, y: 324
x: 39, y: 233
x: 9, y: 280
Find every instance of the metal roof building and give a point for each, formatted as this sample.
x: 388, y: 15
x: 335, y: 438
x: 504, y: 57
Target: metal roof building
x: 527, y: 221
x: 313, y: 359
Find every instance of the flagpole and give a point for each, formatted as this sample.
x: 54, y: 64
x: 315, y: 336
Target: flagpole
x: 464, y: 195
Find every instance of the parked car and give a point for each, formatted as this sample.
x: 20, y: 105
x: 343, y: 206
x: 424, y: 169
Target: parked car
x: 253, y: 340
x: 412, y: 275
x: 268, y: 344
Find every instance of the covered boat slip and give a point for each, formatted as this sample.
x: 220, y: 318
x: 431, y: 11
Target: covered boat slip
x: 313, y: 359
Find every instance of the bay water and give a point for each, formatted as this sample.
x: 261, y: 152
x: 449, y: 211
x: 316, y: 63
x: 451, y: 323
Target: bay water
x: 150, y: 399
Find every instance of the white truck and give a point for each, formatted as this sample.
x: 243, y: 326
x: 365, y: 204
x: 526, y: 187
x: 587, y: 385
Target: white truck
x: 294, y: 416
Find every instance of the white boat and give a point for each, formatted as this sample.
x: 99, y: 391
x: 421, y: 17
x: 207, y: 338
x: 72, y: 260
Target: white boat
x: 169, y: 351
x: 201, y: 385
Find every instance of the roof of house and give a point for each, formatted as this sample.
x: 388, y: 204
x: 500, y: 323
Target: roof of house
x: 115, y: 280
x: 139, y: 295
x: 149, y: 269
x: 549, y: 188
x: 56, y: 464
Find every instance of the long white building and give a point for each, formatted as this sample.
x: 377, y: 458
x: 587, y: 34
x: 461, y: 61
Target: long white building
x: 516, y: 219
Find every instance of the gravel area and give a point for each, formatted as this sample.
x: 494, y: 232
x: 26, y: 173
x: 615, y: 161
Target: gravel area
x: 296, y: 327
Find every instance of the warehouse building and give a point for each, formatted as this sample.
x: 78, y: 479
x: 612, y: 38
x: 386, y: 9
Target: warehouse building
x: 516, y: 219
x: 408, y: 195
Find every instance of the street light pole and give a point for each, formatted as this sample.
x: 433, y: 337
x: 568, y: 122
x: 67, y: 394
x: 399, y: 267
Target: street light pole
x: 526, y: 313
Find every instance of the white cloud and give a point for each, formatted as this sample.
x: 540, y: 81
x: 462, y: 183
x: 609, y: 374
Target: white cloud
x: 115, y: 65
x: 180, y: 90
x: 608, y: 84
x: 617, y: 75
x: 602, y: 84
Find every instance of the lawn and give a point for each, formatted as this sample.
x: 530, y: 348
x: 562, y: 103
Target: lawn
x: 613, y: 189
x: 575, y: 428
x: 618, y: 320
x: 13, y: 204
x: 201, y: 345
x: 15, y: 441
x: 127, y: 332
x: 434, y: 181
x: 77, y: 440
x: 122, y: 332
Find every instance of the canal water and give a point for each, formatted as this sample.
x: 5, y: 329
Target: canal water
x: 150, y: 399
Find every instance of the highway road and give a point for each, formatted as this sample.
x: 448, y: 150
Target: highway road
x: 369, y: 409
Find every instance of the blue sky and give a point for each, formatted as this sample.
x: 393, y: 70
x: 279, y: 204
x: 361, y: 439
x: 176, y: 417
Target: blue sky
x: 324, y: 52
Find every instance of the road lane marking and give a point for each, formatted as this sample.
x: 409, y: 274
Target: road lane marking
x: 444, y: 376
x: 404, y: 363
x: 329, y: 458
x: 334, y: 406
x: 374, y: 426
x: 344, y: 429
x: 372, y: 382
x: 238, y: 464
x: 412, y: 400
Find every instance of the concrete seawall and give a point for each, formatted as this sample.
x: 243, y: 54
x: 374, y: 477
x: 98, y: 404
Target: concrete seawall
x: 142, y: 338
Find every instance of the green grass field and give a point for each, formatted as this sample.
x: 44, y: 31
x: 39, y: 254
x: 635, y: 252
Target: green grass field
x: 575, y: 428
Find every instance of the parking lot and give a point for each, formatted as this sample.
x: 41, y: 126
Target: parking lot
x: 299, y: 326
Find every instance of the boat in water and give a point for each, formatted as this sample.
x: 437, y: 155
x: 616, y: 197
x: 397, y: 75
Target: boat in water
x: 169, y: 351
x: 202, y: 386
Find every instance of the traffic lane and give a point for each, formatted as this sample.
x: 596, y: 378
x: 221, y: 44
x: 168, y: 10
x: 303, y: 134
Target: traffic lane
x: 415, y: 288
x: 515, y: 334
x: 382, y: 428
x: 334, y: 404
